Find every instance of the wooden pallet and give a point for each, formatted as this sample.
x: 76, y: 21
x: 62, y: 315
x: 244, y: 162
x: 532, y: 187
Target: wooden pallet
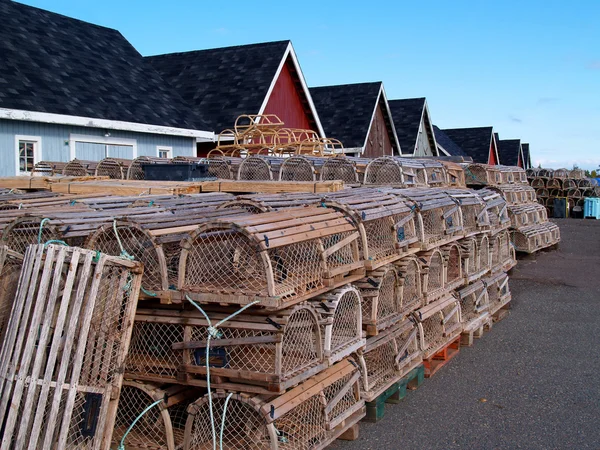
x: 468, y: 336
x: 394, y: 394
x: 441, y: 358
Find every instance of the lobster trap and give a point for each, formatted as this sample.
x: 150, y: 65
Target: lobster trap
x: 259, y: 168
x: 259, y: 203
x: 27, y: 230
x: 79, y: 168
x: 516, y: 194
x: 531, y: 238
x: 310, y: 416
x: 539, y: 183
x: 473, y: 210
x: 64, y: 392
x: 340, y: 168
x: 256, y: 352
x: 113, y: 168
x: 385, y: 222
x: 434, y: 274
x: 388, y: 357
x: 561, y: 173
x: 503, y: 253
x: 387, y: 171
x: 410, y: 272
x: 453, y: 261
x: 160, y: 428
x: 10, y: 269
x: 439, y: 324
x: 482, y: 175
x: 470, y: 262
x: 342, y: 332
x: 527, y: 214
x: 434, y: 173
x: 299, y: 168
x: 135, y: 170
x: 455, y: 174
x: 484, y: 258
x: 279, y: 258
x: 496, y: 210
x: 474, y: 307
x: 498, y: 292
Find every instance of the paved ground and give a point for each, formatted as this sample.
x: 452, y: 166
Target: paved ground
x: 533, y: 382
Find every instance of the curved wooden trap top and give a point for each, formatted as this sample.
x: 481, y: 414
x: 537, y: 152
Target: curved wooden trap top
x: 135, y: 171
x: 114, y: 168
x: 49, y: 168
x: 472, y: 208
x: 539, y: 182
x: 343, y: 332
x: 496, y: 208
x: 300, y: 168
x: 258, y: 203
x: 386, y: 223
x: 512, y: 174
x: 439, y: 324
x: 340, y: 168
x: 455, y: 174
x: 273, y: 351
x: 528, y: 214
x: 515, y: 194
x: 434, y: 274
x: 247, y: 123
x: 577, y: 174
x: 482, y: 175
x: 532, y: 238
x: 453, y: 260
x: 177, y: 202
x: 435, y: 173
x: 414, y: 170
x: 80, y: 168
x: 279, y: 258
x: 260, y: 168
x: 310, y: 416
x: 561, y: 173
x: 387, y: 171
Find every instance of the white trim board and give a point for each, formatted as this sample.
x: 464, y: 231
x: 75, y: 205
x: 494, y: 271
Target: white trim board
x: 164, y: 148
x: 37, y: 155
x: 73, y: 138
x: 62, y: 119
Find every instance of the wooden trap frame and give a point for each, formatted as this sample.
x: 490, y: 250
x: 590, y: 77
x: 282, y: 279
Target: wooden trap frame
x: 48, y: 168
x: 79, y: 168
x: 474, y: 311
x: 342, y: 331
x: 527, y: 214
x: 561, y: 173
x: 439, y: 324
x: 387, y: 171
x: 539, y: 182
x: 279, y: 258
x: 496, y: 209
x: 503, y: 254
x: 10, y: 269
x: 310, y: 416
x: 135, y: 170
x: 257, y: 352
x: 386, y: 223
x: 531, y: 238
x: 411, y: 279
x: 113, y: 168
x: 340, y: 168
x: 498, y: 292
x: 435, y: 173
x: 439, y: 219
x: 63, y: 393
x: 473, y: 210
x: 299, y: 168
x: 434, y: 274
x: 484, y: 258
x: 471, y: 268
x: 453, y: 261
x: 455, y: 174
x: 259, y: 168
x: 577, y: 174
x: 28, y: 230
x: 516, y: 194
x: 388, y: 357
x: 260, y: 203
x: 162, y: 426
x: 482, y: 175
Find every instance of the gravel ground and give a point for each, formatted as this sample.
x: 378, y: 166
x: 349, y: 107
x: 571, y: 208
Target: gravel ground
x: 533, y: 382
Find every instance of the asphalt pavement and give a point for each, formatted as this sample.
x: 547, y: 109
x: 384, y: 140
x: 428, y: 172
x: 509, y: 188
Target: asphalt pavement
x: 532, y: 382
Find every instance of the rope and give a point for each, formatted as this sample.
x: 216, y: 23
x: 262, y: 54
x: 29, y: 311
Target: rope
x: 44, y: 220
x: 55, y: 241
x: 213, y: 331
x: 124, y: 253
x: 223, y: 421
x: 122, y: 443
x: 20, y: 205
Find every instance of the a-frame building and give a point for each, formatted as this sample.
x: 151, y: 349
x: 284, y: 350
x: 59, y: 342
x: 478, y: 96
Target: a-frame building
x: 479, y: 143
x: 414, y: 126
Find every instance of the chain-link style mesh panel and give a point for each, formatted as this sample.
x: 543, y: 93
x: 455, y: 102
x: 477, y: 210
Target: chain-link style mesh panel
x: 435, y: 279
x: 226, y: 261
x: 383, y: 171
x: 476, y: 175
x: 111, y: 168
x: 348, y: 400
x: 244, y: 427
x: 300, y: 346
x: 339, y: 169
x: 495, y: 250
x: 25, y: 231
x: 150, y: 432
x: 408, y: 231
x: 297, y: 168
x: 412, y: 296
x: 381, y: 241
x: 151, y: 352
x: 472, y: 265
x: 454, y: 264
x: 219, y: 168
x: 421, y: 179
x: 136, y: 243
x: 255, y: 168
x: 346, y: 327
x: 381, y: 365
x: 172, y: 252
x: 303, y: 427
x: 538, y: 183
x: 75, y: 169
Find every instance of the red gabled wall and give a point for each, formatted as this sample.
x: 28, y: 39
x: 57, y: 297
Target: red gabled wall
x: 288, y: 101
x: 520, y: 161
x: 492, y: 158
x: 378, y: 141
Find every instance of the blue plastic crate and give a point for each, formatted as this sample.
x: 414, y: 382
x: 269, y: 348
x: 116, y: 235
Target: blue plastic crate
x: 591, y: 208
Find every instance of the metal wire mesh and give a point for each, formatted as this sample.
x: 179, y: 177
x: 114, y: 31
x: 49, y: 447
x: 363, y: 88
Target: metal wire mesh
x: 300, y: 346
x: 25, y: 231
x: 474, y: 304
x: 255, y: 168
x: 10, y: 269
x: 384, y: 171
x: 297, y: 168
x: 297, y: 267
x: 381, y: 239
x: 347, y: 325
x: 136, y: 170
x: 111, y: 168
x: 412, y: 353
x: 339, y: 168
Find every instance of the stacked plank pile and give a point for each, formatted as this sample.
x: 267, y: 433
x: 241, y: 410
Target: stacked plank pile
x: 530, y: 229
x: 562, y: 183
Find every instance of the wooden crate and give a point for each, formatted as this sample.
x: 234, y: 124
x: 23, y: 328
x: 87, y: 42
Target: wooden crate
x: 386, y: 223
x: 10, y: 269
x: 257, y: 352
x: 67, y: 389
x: 388, y: 357
x: 342, y: 329
x: 162, y: 426
x: 309, y: 416
x: 279, y: 258
x: 474, y: 310
x: 439, y: 324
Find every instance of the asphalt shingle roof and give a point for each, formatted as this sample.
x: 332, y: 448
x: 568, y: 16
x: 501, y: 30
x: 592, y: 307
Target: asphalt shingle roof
x: 448, y: 144
x: 526, y: 155
x: 222, y: 83
x: 508, y: 151
x: 407, y: 114
x: 56, y: 64
x: 346, y: 110
x: 475, y: 142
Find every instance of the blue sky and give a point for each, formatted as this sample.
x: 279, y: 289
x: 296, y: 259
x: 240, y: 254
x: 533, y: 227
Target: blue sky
x: 529, y: 68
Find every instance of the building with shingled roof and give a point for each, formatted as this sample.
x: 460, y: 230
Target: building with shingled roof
x: 414, y: 126
x: 479, y: 143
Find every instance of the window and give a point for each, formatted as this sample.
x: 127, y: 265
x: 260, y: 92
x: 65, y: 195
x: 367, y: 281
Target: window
x: 164, y: 152
x: 28, y: 153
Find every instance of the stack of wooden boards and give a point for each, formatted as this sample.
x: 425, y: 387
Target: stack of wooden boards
x: 530, y: 230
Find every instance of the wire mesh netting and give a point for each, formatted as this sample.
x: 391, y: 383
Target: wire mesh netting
x: 25, y: 231
x: 474, y: 303
x: 115, y: 169
x: 10, y: 270
x: 412, y: 293
x: 381, y: 298
x: 484, y: 260
x: 339, y: 168
x: 297, y: 168
x: 454, y: 275
x: 345, y: 404
x: 384, y: 171
x: 255, y: 168
x: 379, y: 368
x: 76, y: 168
x: 434, y: 279
x: 440, y: 326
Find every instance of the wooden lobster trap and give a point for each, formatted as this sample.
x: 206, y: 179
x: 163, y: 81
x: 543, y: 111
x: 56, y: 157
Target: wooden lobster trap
x: 342, y: 168
x: 542, y: 193
x: 10, y: 269
x: 455, y: 174
x: 259, y: 168
x: 498, y: 292
x: 257, y: 352
x: 411, y: 279
x: 471, y: 268
x: 113, y: 168
x: 496, y: 210
x: 527, y: 214
x: 387, y: 171
x: 474, y: 309
x: 80, y: 168
x: 279, y: 258
x: 503, y: 252
x: 553, y: 183
x: 453, y: 262
x: 434, y: 173
x: 48, y: 168
x: 160, y: 427
x: 516, y: 194
x: 64, y: 392
x: 434, y: 274
x: 482, y: 175
x: 539, y: 182
x: 439, y: 324
x: 386, y: 223
x: 438, y: 220
x: 300, y: 168
x: 310, y: 416
x: 473, y: 210
x: 577, y: 174
x: 507, y: 174
x: 388, y: 357
x: 484, y: 258
x: 531, y: 238
x: 342, y: 317
x: 260, y: 203
x: 135, y: 170
x: 27, y: 230
x: 561, y: 173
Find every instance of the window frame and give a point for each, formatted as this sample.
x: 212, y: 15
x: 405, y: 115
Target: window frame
x: 164, y: 148
x: 37, y: 152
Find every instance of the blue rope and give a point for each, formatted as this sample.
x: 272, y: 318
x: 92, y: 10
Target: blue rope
x: 122, y: 443
x: 44, y: 220
x: 55, y: 241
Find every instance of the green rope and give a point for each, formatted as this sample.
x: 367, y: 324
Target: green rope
x: 55, y: 241
x: 148, y: 293
x: 122, y: 443
x: 20, y: 205
x: 223, y: 421
x: 44, y: 220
